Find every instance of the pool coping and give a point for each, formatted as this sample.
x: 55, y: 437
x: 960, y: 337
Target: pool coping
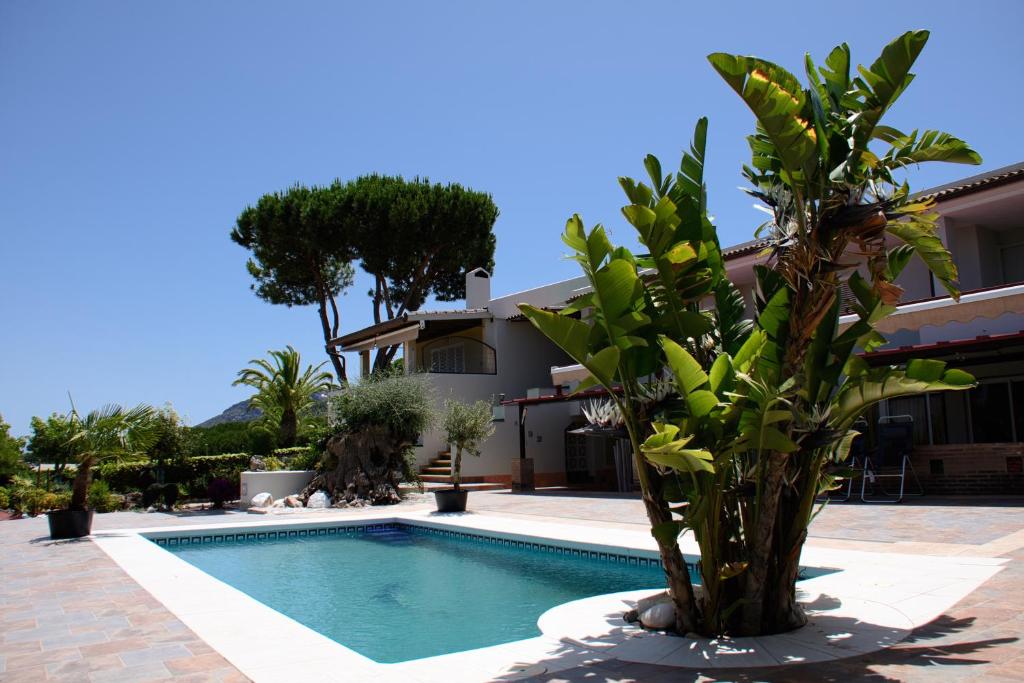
x: 873, y: 601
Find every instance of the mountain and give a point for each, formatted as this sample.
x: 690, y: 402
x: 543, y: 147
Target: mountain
x: 243, y: 412
x: 240, y: 412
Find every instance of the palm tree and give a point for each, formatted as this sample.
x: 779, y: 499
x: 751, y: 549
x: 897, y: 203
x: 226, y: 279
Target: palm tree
x: 110, y: 433
x: 281, y: 392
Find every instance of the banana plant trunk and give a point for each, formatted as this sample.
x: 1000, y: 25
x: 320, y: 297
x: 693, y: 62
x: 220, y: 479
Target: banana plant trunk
x: 677, y: 574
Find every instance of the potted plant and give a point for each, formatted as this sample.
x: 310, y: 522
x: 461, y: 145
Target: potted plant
x: 467, y: 426
x: 111, y: 433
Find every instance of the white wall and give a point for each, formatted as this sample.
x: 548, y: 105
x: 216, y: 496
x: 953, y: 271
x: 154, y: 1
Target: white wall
x: 524, y: 360
x: 278, y: 484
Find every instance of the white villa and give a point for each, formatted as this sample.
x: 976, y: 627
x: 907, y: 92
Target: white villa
x: 966, y: 442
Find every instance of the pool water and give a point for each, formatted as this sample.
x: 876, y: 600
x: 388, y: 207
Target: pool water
x: 401, y: 592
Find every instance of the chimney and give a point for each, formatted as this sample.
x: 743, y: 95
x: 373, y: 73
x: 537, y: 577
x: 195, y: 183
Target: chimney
x: 478, y: 288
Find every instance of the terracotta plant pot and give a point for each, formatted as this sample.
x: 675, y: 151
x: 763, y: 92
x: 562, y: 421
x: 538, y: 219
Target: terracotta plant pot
x: 70, y: 523
x: 450, y: 500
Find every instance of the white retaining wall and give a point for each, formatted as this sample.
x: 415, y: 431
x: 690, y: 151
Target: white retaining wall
x: 278, y: 484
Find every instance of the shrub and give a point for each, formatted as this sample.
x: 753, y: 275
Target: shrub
x: 232, y: 437
x: 402, y: 404
x: 273, y: 464
x: 289, y: 453
x: 193, y: 473
x: 170, y: 492
x: 310, y: 460
x: 151, y: 495
x: 100, y: 499
x: 5, y: 499
x: 220, y: 490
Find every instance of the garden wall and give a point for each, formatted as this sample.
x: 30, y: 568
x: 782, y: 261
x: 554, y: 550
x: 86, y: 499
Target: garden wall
x: 278, y: 484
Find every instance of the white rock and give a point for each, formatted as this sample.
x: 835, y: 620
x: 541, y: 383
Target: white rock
x: 261, y: 500
x: 644, y: 604
x: 292, y: 501
x: 662, y: 615
x: 279, y: 503
x: 320, y: 499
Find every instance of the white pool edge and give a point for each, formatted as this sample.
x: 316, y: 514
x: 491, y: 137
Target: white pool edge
x: 882, y: 596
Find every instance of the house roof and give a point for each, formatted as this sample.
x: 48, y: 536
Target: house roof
x: 744, y: 248
x: 982, y: 181
x: 551, y: 309
x: 387, y: 326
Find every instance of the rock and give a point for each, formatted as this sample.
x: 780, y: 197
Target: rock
x: 631, y: 617
x: 660, y: 616
x: 644, y: 604
x: 262, y: 500
x: 256, y: 464
x: 152, y: 508
x: 279, y: 503
x: 292, y: 501
x: 318, y: 500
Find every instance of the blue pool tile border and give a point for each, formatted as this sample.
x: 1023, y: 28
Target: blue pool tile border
x: 224, y: 537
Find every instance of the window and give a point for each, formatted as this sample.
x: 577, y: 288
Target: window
x: 456, y: 356
x: 449, y: 359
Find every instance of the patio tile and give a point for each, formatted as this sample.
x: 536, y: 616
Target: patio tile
x: 195, y: 664
x: 76, y: 639
x: 154, y: 654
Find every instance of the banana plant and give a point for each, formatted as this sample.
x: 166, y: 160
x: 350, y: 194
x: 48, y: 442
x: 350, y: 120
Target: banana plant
x: 824, y: 165
x: 635, y: 301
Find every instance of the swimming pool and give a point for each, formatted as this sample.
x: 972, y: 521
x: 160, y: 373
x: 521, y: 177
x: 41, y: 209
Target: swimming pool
x: 395, y: 592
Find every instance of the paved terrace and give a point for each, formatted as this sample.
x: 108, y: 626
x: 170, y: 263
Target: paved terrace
x: 69, y: 613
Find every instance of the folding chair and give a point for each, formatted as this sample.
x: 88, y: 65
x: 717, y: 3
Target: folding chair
x: 891, y: 461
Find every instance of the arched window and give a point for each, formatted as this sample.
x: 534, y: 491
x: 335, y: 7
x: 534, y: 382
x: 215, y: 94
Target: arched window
x: 456, y: 355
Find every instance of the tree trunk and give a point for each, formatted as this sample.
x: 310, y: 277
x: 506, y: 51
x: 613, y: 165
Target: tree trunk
x: 363, y: 468
x: 457, y: 467
x: 288, y: 430
x: 761, y: 548
x: 332, y: 353
x: 676, y: 572
x: 80, y: 488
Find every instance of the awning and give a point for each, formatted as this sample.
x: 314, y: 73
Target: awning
x: 405, y: 328
x: 982, y: 303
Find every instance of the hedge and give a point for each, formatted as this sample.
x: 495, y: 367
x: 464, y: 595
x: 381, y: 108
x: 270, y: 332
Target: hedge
x: 194, y: 473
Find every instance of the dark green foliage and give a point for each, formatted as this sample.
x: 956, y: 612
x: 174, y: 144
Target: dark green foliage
x: 302, y: 250
x: 415, y: 237
x: 152, y: 494
x: 234, y: 437
x: 284, y: 393
x: 192, y: 473
x: 170, y: 494
x: 101, y: 499
x: 49, y: 442
x: 11, y: 462
x: 174, y: 440
x: 155, y: 492
x: 220, y: 490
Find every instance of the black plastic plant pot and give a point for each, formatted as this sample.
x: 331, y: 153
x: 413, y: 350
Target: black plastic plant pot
x: 450, y: 500
x: 70, y: 523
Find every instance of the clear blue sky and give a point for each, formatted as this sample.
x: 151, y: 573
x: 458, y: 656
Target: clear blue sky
x: 133, y: 133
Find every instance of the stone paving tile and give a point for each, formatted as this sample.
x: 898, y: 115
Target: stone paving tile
x: 104, y: 627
